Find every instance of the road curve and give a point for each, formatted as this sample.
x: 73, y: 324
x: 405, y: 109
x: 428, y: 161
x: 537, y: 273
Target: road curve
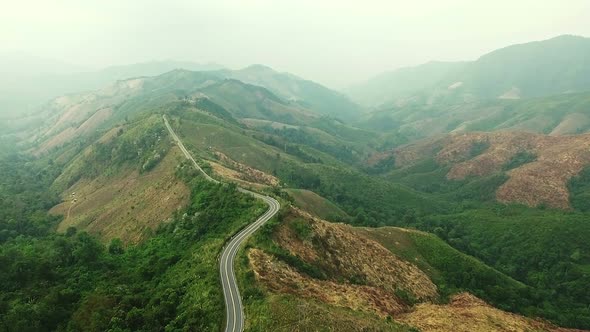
x: 233, y: 302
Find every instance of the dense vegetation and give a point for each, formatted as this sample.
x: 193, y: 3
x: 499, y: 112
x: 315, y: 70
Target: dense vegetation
x: 24, y: 198
x: 547, y: 250
x: 72, y: 282
x: 579, y: 187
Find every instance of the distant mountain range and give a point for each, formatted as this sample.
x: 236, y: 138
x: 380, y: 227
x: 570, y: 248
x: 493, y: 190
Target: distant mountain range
x: 535, y: 69
x: 278, y: 97
x: 29, y: 82
x: 27, y: 90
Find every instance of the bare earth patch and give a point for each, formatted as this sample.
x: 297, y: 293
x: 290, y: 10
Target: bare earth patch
x: 70, y: 132
x: 280, y: 277
x: 467, y: 313
x: 542, y: 181
x: 346, y: 255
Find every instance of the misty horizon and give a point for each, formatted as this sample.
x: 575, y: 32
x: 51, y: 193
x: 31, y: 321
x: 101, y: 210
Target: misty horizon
x: 332, y: 43
x: 65, y: 68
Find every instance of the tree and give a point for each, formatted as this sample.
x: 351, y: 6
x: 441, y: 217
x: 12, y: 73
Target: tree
x: 116, y: 247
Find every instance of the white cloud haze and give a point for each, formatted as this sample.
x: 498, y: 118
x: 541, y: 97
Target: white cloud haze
x: 333, y: 42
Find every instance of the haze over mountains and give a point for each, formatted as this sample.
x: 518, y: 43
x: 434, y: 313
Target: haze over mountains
x: 448, y: 196
x: 30, y: 82
x: 554, y: 66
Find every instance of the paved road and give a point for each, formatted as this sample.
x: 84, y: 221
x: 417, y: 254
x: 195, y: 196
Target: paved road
x: 233, y: 302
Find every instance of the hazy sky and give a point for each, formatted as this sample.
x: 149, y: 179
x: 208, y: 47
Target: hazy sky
x: 333, y: 42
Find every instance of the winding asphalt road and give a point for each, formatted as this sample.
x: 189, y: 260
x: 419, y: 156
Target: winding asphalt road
x: 233, y: 302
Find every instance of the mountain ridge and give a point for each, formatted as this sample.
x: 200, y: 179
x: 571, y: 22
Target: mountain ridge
x: 558, y: 65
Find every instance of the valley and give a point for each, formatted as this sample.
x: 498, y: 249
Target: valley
x: 443, y: 197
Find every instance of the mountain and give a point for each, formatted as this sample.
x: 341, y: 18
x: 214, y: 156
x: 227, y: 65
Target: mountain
x: 561, y: 114
x: 116, y: 230
x: 27, y: 84
x: 294, y: 89
x: 80, y: 114
x: 557, y: 65
x: 22, y: 92
x: 554, y: 66
x: 402, y: 83
x: 531, y: 169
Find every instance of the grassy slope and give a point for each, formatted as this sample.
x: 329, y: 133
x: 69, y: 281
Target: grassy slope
x: 125, y: 184
x: 322, y: 174
x: 452, y: 270
x: 315, y: 204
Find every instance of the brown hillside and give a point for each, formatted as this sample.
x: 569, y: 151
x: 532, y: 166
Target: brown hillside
x: 543, y: 181
x: 349, y: 253
x: 467, y: 313
x: 128, y: 205
x: 280, y: 277
x: 346, y: 256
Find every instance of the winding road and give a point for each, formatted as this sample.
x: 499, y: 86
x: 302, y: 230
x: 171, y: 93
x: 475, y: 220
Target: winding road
x: 233, y: 302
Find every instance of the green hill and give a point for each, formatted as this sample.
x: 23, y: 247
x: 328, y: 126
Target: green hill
x: 556, y: 115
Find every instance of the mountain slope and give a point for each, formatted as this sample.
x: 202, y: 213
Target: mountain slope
x: 72, y: 116
x: 537, y: 168
x: 123, y: 185
x: 402, y: 83
x: 556, y: 115
x: 542, y: 68
x: 360, y: 274
x: 294, y: 89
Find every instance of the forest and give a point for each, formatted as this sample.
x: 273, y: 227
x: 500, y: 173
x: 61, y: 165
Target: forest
x: 73, y: 282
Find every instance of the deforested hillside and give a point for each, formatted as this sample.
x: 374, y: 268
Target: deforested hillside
x: 304, y: 265
x: 78, y: 115
x: 123, y: 185
x: 537, y: 168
